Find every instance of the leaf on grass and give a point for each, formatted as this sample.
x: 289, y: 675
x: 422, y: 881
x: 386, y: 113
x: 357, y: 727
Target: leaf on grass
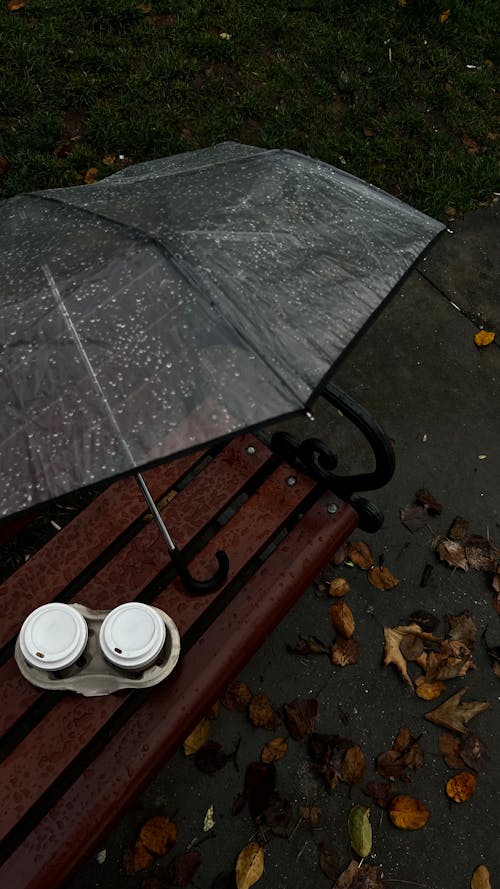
x: 262, y: 713
x: 382, y: 578
x: 368, y: 133
x: 480, y: 878
x: 308, y: 645
x: 342, y: 620
x: 482, y: 337
x: 249, y: 866
x: 329, y: 861
x: 274, y: 750
x: 338, y: 587
x: 444, y: 16
x: 449, y: 746
x: 459, y: 529
x: 473, y: 752
x: 260, y: 781
x: 453, y: 714
x: 237, y: 696
x: 360, y: 554
x: 393, y: 637
x: 211, y: 758
x: 460, y: 787
x: 495, y: 583
x: 429, y: 690
x: 345, y: 652
x: 428, y: 501
x: 360, y: 830
x: 91, y: 175
x: 450, y: 551
x: 158, y: 834
x: 353, y: 765
x: 409, y: 749
x: 181, y: 870
x: 408, y: 813
x: 381, y: 792
x: 300, y: 716
x: 414, y: 517
x: 13, y: 5
x: 137, y: 858
x: 197, y: 738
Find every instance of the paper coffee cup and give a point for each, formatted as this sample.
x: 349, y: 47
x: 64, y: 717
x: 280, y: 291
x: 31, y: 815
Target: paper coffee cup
x: 53, y: 636
x: 132, y: 636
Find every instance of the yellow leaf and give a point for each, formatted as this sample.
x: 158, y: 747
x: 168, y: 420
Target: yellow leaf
x: 274, y: 750
x: 429, y: 690
x: 249, y: 866
x: 109, y: 159
x: 198, y: 737
x: 444, y: 16
x: 90, y: 175
x: 484, y: 337
x: 480, y: 878
x: 225, y: 36
x: 461, y: 787
x: 408, y: 813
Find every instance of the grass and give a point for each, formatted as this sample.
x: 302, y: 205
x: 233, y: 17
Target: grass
x: 381, y: 87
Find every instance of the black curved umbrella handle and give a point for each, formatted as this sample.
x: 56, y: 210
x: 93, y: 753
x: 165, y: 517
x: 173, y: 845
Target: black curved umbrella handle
x: 200, y: 587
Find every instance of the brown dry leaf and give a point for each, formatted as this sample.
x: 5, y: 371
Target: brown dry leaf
x: 308, y: 645
x: 429, y: 690
x: 393, y: 637
x: 428, y: 501
x: 408, y: 813
x: 451, y: 551
x: 109, y: 159
x: 360, y: 554
x: 454, y: 659
x: 274, y: 749
x: 342, y: 620
x: 482, y: 337
x: 249, y: 866
x: 368, y: 133
x: 180, y: 871
x: 4, y: 165
x: 300, y: 716
x: 237, y: 696
x: 409, y: 749
x: 360, y: 876
x: 353, y: 765
x: 338, y: 587
x: 480, y: 878
x: 158, y: 834
x: 90, y: 175
x: 329, y: 861
x: 473, y: 752
x: 414, y: 517
x: 214, y: 711
x: 136, y: 858
x: 340, y: 555
x: 495, y: 583
x: 463, y: 628
x: 197, y: 738
x: 459, y: 529
x: 480, y: 553
x: 345, y: 652
x: 390, y: 764
x: 381, y: 792
x: 411, y: 647
x: 453, y: 714
x: 449, y: 746
x: 382, y: 579
x: 262, y: 713
x: 311, y: 814
x: 12, y: 5
x: 444, y: 16
x: 460, y: 787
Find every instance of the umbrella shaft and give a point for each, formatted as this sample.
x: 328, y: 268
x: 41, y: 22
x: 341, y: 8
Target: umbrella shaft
x: 156, y: 515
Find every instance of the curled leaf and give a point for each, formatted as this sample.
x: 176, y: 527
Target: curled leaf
x: 342, y: 619
x: 360, y: 554
x: 360, y: 830
x: 460, y: 787
x: 451, y: 551
x: 249, y: 866
x: 459, y: 529
x: 408, y: 813
x: 382, y: 578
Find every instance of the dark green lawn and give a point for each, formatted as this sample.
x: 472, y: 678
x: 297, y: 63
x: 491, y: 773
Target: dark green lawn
x: 381, y: 87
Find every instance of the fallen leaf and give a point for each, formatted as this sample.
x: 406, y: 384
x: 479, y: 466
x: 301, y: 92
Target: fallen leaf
x: 214, y: 711
x: 158, y: 834
x: 414, y: 517
x: 108, y: 160
x: 460, y: 787
x: 13, y: 5
x: 360, y: 830
x: 260, y: 781
x: 329, y: 861
x: 353, y: 765
x: 480, y: 878
x: 360, y: 554
x: 449, y: 745
x: 459, y: 529
x: 137, y: 858
x: 408, y: 813
x: 249, y: 866
x: 390, y: 764
x: 425, y: 620
x: 444, y: 16
x: 382, y: 579
x: 368, y: 133
x: 409, y: 749
x: 495, y: 583
x: 262, y: 713
x: 90, y: 175
x: 197, y: 738
x: 338, y: 587
x: 224, y: 35
x: 237, y: 696
x: 342, y: 620
x: 429, y: 690
x: 482, y: 337
x: 4, y: 165
x: 473, y: 752
x: 480, y: 553
x: 393, y: 637
x: 144, y: 7
x: 453, y: 714
x: 300, y: 716
x: 452, y: 660
x: 340, y: 555
x: 181, y: 870
x: 451, y: 551
x: 209, y: 822
x: 411, y: 647
x: 277, y: 816
x: 428, y: 501
x: 327, y: 753
x: 308, y: 645
x: 345, y: 652
x: 311, y: 814
x: 381, y: 792
x: 211, y: 758
x: 463, y: 628
x: 274, y: 750
x: 360, y: 876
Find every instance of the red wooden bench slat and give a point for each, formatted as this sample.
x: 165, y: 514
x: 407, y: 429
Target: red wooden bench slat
x: 40, y: 758
x: 79, y: 821
x: 47, y: 573
x: 130, y: 571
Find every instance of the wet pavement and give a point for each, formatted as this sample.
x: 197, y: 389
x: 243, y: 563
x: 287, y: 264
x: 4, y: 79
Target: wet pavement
x: 438, y: 397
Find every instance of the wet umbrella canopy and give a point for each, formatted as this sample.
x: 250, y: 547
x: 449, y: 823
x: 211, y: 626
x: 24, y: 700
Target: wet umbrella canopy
x: 180, y: 301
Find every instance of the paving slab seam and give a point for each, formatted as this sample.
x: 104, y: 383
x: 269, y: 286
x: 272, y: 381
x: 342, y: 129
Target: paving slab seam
x: 468, y: 315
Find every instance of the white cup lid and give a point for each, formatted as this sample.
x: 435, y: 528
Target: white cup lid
x: 53, y: 636
x: 132, y: 635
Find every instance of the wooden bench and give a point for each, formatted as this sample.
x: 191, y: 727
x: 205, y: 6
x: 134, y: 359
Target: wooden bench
x: 71, y: 765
